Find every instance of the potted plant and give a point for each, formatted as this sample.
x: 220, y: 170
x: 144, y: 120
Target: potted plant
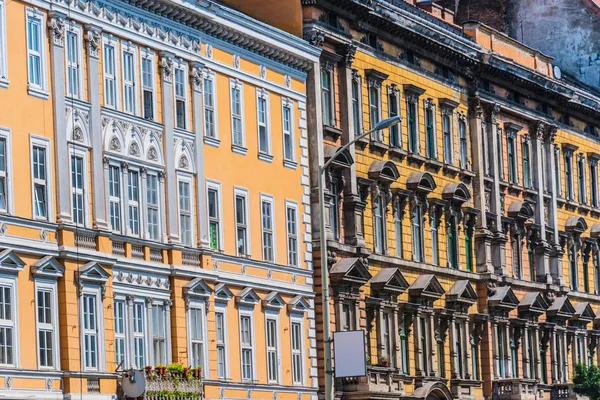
x: 383, y: 361
x: 161, y: 369
x: 148, y: 370
x: 175, y: 369
x: 197, y: 372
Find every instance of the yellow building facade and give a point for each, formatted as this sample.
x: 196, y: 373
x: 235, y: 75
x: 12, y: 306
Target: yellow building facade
x: 154, y: 201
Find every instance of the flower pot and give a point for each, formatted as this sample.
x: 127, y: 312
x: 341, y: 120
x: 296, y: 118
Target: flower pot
x: 384, y: 363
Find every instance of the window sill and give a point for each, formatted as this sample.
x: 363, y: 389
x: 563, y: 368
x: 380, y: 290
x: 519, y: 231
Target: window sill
x: 433, y: 163
x: 451, y: 169
x: 211, y: 141
x: 4, y: 83
x: 397, y: 152
x: 39, y: 93
x: 332, y: 131
x: 378, y: 147
x: 239, y: 149
x: 290, y: 164
x: 415, y: 158
x: 265, y: 157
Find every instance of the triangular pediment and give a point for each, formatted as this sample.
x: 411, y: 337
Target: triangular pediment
x: 197, y: 288
x: 503, y: 297
x: 298, y: 304
x: 93, y: 272
x: 533, y: 302
x: 48, y: 267
x: 222, y: 293
x: 389, y: 280
x: 351, y: 271
x: 561, y: 308
x: 583, y: 312
x: 247, y: 297
x: 426, y: 286
x: 10, y: 261
x: 461, y: 292
x: 273, y: 301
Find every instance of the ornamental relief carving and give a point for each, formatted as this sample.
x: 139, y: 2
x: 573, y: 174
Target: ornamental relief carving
x: 93, y: 39
x: 56, y: 27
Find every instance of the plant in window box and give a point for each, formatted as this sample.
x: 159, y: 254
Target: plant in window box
x: 148, y: 370
x: 383, y: 361
x: 161, y: 369
x: 197, y: 372
x: 175, y: 369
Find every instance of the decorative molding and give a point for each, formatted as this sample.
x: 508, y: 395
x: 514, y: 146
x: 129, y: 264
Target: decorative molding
x: 166, y: 67
x: 56, y: 25
x: 93, y: 40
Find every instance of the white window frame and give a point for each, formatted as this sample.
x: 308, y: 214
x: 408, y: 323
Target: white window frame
x: 248, y: 312
x: 124, y: 335
x: 216, y: 186
x: 181, y: 66
x: 49, y: 286
x: 594, y: 200
x: 96, y: 292
x: 42, y: 142
x: 157, y: 207
x: 357, y: 120
x: 413, y: 100
x: 327, y: 68
x: 581, y: 183
x: 291, y: 205
x: 236, y: 84
x: 297, y: 319
x: 213, y: 139
x: 147, y: 54
x: 186, y: 179
x: 448, y: 153
x: 569, y: 181
x: 143, y: 335
x: 222, y: 309
x: 429, y: 105
x: 134, y: 203
x: 5, y: 133
x: 11, y: 282
x: 3, y: 47
x: 76, y: 30
x: 200, y: 306
x: 288, y: 161
x: 526, y: 141
x: 393, y: 92
x: 151, y: 338
x: 267, y: 198
x: 262, y: 94
x: 118, y: 200
x: 376, y: 86
x: 274, y: 316
x: 37, y: 89
x: 83, y: 192
x: 131, y: 49
x: 109, y: 40
x: 237, y: 191
x: 463, y: 140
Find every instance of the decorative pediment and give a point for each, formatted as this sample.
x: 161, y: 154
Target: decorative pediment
x: 10, y: 261
x: 520, y: 210
x: 222, y: 293
x: 561, y: 308
x: 343, y: 159
x: 420, y: 182
x: 576, y: 225
x: 247, y: 297
x: 389, y: 280
x: 503, y: 297
x: 461, y: 292
x: 350, y: 271
x: 456, y: 193
x: 298, y: 305
x: 583, y: 312
x: 426, y: 286
x: 197, y: 288
x: 533, y: 303
x: 48, y: 267
x: 93, y: 273
x: 384, y: 171
x: 273, y: 301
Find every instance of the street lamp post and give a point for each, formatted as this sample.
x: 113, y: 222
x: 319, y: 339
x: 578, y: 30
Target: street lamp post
x: 386, y: 123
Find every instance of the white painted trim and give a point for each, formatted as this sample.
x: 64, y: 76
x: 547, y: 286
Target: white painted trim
x: 187, y: 179
x: 3, y: 46
x: 248, y: 311
x: 40, y: 90
x: 110, y: 40
x: 93, y: 290
x: 11, y: 281
x: 238, y: 191
x: 211, y: 77
x: 215, y: 185
x: 40, y: 141
x: 199, y: 304
x: 263, y: 94
x: 298, y: 318
x: 146, y: 53
x: 236, y: 84
x: 289, y: 103
x: 128, y: 47
x: 221, y: 307
x: 5, y: 133
x: 274, y: 315
x: 271, y: 200
x: 49, y: 285
x: 83, y: 153
x: 290, y: 204
x: 76, y: 29
x: 181, y: 65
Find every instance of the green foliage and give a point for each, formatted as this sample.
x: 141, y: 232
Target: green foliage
x: 586, y: 381
x: 175, y: 367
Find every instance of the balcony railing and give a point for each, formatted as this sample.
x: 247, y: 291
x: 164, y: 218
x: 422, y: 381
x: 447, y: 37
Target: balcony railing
x: 163, y: 384
x: 562, y: 391
x: 378, y: 379
x: 508, y: 389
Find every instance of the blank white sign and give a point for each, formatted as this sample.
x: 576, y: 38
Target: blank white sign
x: 349, y: 354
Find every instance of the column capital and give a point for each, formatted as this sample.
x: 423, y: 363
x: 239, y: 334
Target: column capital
x: 93, y: 40
x: 197, y: 76
x: 166, y: 66
x: 492, y: 111
x: 56, y: 28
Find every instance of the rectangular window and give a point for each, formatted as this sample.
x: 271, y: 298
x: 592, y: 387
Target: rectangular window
x: 417, y: 233
x: 35, y: 49
x: 398, y: 228
x: 464, y: 152
x: 214, y: 218
x: 77, y: 191
x: 499, y: 149
x: 110, y: 78
x: 209, y: 106
x: 512, y: 158
x: 557, y: 171
x: 430, y: 132
x: 379, y: 219
x: 394, y: 111
x: 297, y: 364
x: 40, y: 193
x: 185, y: 212
x: 264, y: 145
x: 526, y: 163
x: 247, y: 348
x: 7, y: 325
x: 221, y: 343
x: 3, y: 47
x: 90, y: 331
x: 404, y: 331
x: 334, y: 205
x: 374, y: 110
x: 129, y: 83
x: 452, y: 243
x: 292, y: 234
x: 120, y: 329
x: 180, y: 99
x: 433, y: 226
x: 594, y: 182
x: 46, y: 326
x: 148, y: 86
x: 133, y: 204
x: 348, y: 321
x: 387, y: 337
x: 114, y: 197
x: 197, y: 336
x: 569, y: 175
x: 267, y: 229
x: 413, y: 133
x: 4, y: 173
x: 356, y: 99
x: 159, y: 334
x: 139, y: 352
x: 241, y: 221
x: 581, y: 179
x: 326, y: 93
x: 272, y: 351
x: 236, y: 114
x: 152, y: 206
x: 72, y: 54
x: 288, y: 135
x: 448, y: 139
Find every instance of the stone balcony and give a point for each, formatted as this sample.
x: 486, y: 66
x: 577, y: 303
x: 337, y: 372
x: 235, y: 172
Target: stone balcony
x: 562, y: 391
x: 378, y: 380
x: 165, y: 385
x: 516, y: 389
